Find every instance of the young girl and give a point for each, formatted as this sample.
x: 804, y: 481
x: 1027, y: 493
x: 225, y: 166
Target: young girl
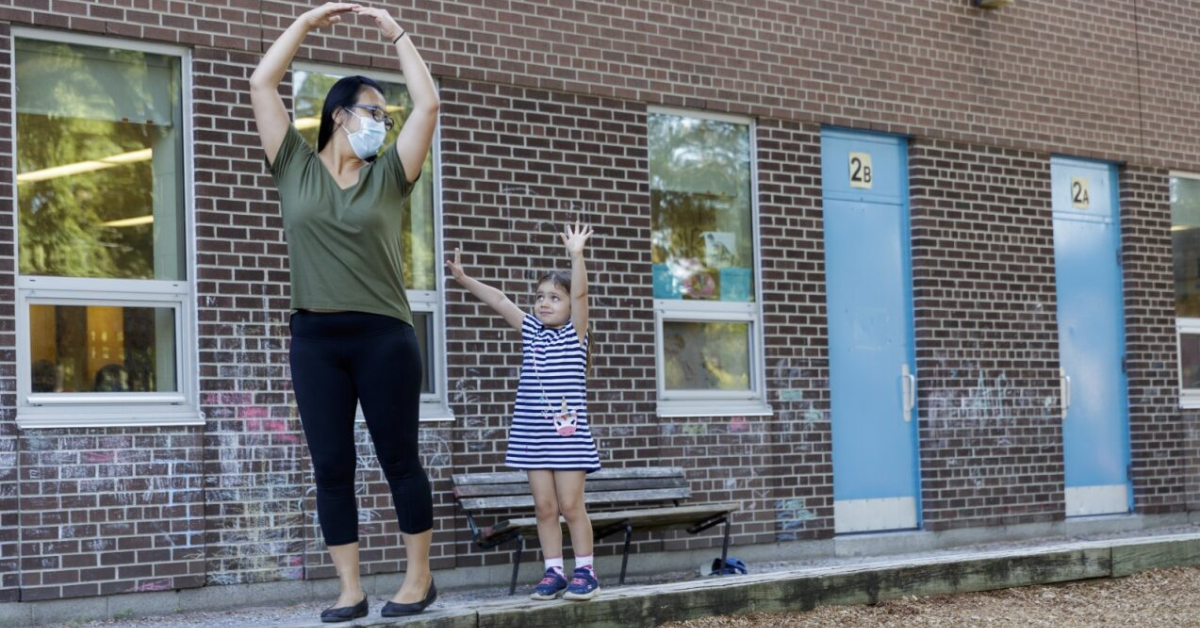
x: 549, y: 437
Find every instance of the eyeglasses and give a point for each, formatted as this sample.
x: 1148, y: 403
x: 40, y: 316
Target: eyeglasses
x: 378, y: 114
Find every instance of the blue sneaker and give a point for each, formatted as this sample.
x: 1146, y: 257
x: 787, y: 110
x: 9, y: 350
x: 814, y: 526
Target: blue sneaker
x: 551, y: 586
x: 584, y: 585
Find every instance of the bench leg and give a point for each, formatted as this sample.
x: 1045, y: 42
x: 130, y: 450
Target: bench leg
x: 625, y: 556
x: 512, y: 586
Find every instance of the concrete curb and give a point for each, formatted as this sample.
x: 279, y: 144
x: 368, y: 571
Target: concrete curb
x: 804, y: 589
x: 797, y: 589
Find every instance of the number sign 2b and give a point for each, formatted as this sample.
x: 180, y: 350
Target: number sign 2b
x: 860, y: 170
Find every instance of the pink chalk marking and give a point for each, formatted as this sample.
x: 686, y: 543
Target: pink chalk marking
x: 98, y: 456
x: 255, y: 412
x: 229, y: 399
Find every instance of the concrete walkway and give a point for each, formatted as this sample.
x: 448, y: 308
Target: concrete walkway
x: 845, y: 580
x: 803, y: 589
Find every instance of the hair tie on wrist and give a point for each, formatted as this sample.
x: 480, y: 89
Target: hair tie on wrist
x: 402, y: 34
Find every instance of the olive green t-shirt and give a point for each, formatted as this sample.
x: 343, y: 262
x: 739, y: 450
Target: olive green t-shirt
x: 343, y: 245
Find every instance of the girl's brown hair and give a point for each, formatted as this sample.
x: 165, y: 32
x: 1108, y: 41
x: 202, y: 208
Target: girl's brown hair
x: 560, y: 279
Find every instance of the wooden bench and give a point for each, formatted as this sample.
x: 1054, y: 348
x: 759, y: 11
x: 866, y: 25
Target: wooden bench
x: 618, y: 500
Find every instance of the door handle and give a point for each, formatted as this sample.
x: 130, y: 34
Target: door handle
x: 1066, y: 391
x: 909, y: 384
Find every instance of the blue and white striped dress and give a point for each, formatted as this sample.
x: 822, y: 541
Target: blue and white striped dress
x: 553, y: 369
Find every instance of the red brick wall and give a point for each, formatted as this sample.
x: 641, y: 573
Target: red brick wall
x: 1042, y: 75
x: 1167, y: 130
x: 255, y: 467
x: 986, y: 337
x: 799, y: 482
x: 110, y: 511
x: 10, y: 552
x: 544, y: 119
x: 1162, y: 464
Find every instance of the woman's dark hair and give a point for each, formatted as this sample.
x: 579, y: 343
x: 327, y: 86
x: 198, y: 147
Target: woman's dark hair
x: 343, y: 94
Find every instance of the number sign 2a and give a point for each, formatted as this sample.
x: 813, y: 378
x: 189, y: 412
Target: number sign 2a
x: 1079, y: 193
x: 860, y: 170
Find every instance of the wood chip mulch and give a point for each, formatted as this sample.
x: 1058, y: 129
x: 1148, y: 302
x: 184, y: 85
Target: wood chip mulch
x: 1157, y: 598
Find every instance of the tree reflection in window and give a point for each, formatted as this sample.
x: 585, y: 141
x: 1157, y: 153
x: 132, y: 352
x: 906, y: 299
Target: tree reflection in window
x: 99, y: 187
x: 700, y: 217
x: 1185, y: 237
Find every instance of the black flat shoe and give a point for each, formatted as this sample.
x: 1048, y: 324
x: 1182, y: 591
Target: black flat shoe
x: 345, y: 613
x: 395, y: 609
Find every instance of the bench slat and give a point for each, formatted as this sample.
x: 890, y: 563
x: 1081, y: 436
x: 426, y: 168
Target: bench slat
x: 468, y: 479
x: 590, y: 486
x: 647, y: 519
x: 476, y: 504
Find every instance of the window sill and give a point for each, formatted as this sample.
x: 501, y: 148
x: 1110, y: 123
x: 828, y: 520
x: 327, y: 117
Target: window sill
x: 436, y: 412
x: 431, y: 412
x: 112, y: 416
x: 1189, y: 403
x: 713, y: 407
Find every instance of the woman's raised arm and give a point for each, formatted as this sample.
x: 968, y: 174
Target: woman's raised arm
x: 269, y: 113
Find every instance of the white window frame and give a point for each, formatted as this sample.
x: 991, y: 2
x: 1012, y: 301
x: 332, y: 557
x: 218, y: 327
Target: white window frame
x: 75, y: 410
x: 707, y: 403
x: 434, y: 406
x: 1189, y: 398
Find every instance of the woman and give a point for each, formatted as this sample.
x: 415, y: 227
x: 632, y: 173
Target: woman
x: 352, y: 334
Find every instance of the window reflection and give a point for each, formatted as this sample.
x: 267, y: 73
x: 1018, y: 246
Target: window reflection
x: 102, y: 349
x: 1189, y: 360
x: 423, y: 325
x: 700, y: 209
x: 1185, y: 238
x: 706, y: 356
x: 99, y: 153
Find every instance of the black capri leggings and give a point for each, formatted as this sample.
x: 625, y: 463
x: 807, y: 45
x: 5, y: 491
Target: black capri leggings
x: 337, y: 359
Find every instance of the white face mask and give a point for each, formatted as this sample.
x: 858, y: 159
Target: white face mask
x: 368, y: 138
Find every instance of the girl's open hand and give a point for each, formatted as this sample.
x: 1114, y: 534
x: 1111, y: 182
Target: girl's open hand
x: 455, y: 266
x: 575, y: 237
x: 328, y: 14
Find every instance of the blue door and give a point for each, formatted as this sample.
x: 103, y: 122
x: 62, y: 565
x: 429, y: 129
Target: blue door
x: 872, y: 378
x: 1091, y: 336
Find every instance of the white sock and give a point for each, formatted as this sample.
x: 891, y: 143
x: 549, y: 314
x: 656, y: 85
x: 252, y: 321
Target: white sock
x: 556, y: 564
x: 584, y: 562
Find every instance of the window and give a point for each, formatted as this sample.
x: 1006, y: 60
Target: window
x: 422, y: 270
x: 105, y: 320
x: 704, y: 254
x: 1185, y: 240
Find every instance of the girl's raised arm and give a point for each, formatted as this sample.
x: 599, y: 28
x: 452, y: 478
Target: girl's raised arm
x: 489, y: 295
x: 575, y: 238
